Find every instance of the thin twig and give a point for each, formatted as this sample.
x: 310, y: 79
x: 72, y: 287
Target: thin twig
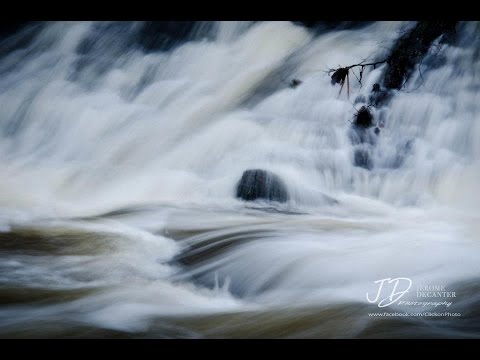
x: 357, y: 78
x: 362, y: 65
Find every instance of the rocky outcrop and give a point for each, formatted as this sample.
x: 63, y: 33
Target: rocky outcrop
x: 411, y: 48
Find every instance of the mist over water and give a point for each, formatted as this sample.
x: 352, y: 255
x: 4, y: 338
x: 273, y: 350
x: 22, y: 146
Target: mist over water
x: 120, y: 162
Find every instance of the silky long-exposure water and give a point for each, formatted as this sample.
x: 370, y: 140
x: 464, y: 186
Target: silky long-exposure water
x: 119, y: 166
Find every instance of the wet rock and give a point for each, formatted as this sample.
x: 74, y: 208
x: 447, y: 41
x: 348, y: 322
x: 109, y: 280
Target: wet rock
x: 360, y: 99
x: 362, y: 158
x: 8, y: 28
x: 359, y: 135
x: 403, y: 151
x: 378, y: 96
x: 361, y: 131
x: 261, y: 184
x: 15, y: 35
x: 411, y: 47
x: 161, y: 35
x: 363, y: 118
x: 294, y: 83
x: 164, y: 35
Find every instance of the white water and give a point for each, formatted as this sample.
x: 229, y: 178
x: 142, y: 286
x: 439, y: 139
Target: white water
x: 84, y: 142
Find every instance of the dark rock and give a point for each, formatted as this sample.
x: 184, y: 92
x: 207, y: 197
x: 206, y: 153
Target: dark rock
x: 15, y: 35
x: 294, y: 83
x: 8, y: 28
x: 362, y: 159
x: 363, y: 118
x: 377, y: 131
x: 378, y: 98
x: 360, y: 99
x: 149, y: 36
x: 163, y: 35
x: 260, y: 184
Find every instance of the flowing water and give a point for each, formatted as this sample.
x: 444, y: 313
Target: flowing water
x: 119, y: 165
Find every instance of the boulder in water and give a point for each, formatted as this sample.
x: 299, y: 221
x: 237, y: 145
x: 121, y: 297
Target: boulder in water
x: 261, y: 184
x: 359, y: 135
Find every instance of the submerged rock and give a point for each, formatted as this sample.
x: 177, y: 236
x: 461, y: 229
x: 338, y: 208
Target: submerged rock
x: 163, y: 35
x: 360, y: 99
x: 261, y: 184
x: 361, y: 130
x: 363, y: 159
x: 360, y: 135
x: 294, y: 83
x: 379, y: 96
x: 403, y: 151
